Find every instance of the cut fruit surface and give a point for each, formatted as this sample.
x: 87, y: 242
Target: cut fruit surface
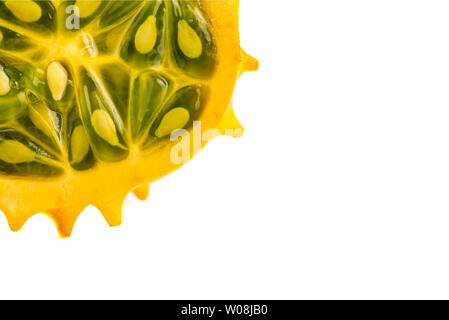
x: 94, y: 94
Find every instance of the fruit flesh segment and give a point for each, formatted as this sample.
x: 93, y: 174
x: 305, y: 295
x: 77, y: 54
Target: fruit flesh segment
x: 144, y: 43
x: 132, y: 73
x: 193, y: 46
x: 38, y: 15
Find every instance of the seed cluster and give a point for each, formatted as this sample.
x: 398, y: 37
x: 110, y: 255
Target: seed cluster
x: 131, y: 73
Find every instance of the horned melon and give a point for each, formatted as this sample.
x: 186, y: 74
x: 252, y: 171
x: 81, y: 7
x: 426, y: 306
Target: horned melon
x: 95, y: 95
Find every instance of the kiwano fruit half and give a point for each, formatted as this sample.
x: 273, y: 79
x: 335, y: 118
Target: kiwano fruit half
x: 100, y: 98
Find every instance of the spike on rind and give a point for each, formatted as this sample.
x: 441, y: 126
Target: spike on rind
x: 64, y: 219
x: 142, y: 192
x: 229, y: 125
x: 248, y: 63
x: 16, y: 220
x: 112, y: 210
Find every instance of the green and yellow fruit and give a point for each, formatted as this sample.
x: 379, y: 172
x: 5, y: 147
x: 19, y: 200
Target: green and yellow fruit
x: 92, y: 91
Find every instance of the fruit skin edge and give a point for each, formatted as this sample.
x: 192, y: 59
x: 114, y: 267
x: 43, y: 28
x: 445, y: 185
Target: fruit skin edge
x: 66, y: 199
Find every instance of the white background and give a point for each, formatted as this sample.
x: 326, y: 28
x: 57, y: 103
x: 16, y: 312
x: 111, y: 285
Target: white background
x: 339, y: 188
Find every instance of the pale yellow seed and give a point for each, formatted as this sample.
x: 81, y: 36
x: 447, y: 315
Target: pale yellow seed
x: 104, y: 126
x: 4, y: 83
x: 176, y: 118
x: 87, y: 7
x: 56, y: 3
x: 189, y: 42
x: 25, y: 10
x: 146, y: 36
x: 43, y: 118
x: 57, y: 80
x: 15, y: 152
x: 79, y: 145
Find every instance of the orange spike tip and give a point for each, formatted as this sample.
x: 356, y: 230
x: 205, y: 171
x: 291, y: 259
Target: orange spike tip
x: 112, y: 210
x: 64, y: 219
x: 248, y: 63
x: 142, y: 192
